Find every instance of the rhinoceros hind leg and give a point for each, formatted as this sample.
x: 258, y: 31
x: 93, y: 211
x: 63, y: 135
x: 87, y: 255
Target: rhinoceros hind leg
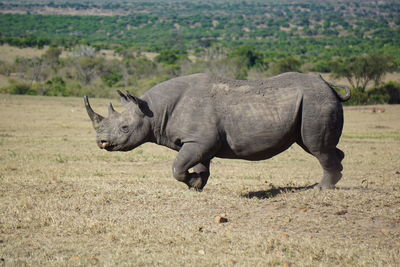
x: 331, y: 163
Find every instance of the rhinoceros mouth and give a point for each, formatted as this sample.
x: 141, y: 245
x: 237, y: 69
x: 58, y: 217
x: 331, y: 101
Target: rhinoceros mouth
x: 115, y: 148
x: 105, y: 145
x: 110, y: 148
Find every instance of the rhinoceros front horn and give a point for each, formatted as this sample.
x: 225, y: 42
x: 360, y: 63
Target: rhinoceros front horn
x: 96, y: 118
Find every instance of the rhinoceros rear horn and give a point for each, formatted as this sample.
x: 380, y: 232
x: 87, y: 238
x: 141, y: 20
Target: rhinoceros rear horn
x: 111, y: 110
x: 96, y: 118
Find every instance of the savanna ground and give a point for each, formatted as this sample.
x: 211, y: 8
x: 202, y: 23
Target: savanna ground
x: 64, y: 202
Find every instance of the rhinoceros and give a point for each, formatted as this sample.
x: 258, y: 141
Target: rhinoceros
x: 203, y: 116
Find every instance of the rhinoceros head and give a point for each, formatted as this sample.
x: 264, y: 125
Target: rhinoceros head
x: 121, y: 131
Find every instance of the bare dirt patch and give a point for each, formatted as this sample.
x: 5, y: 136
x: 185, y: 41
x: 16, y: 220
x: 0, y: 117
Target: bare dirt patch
x: 65, y: 202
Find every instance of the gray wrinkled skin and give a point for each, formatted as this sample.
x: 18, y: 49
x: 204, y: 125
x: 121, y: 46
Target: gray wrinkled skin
x: 203, y: 117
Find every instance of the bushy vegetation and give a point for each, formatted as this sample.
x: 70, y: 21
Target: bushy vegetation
x: 85, y: 70
x: 360, y: 71
x: 387, y: 93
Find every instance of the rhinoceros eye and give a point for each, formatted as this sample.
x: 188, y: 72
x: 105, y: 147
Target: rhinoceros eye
x: 125, y: 128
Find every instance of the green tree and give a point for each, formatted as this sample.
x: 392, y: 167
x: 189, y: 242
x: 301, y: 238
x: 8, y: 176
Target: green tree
x: 247, y: 55
x: 286, y: 65
x: 361, y: 70
x: 170, y: 56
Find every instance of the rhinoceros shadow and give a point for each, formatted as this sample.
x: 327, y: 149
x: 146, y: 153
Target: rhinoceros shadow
x: 273, y: 192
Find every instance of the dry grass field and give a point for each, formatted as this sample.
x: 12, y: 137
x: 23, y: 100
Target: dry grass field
x: 64, y: 202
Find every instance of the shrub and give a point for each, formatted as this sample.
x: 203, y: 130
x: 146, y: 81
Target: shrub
x: 6, y: 68
x: 168, y: 56
x: 322, y: 66
x: 19, y: 89
x: 387, y: 93
x: 358, y: 97
x: 55, y: 87
x: 112, y: 79
x: 286, y: 65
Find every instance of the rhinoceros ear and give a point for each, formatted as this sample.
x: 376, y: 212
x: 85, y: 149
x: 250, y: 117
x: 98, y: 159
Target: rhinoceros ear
x: 129, y: 99
x: 135, y: 100
x: 124, y: 98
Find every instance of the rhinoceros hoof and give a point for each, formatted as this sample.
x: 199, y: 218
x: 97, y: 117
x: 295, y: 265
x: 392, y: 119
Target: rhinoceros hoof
x: 196, y: 184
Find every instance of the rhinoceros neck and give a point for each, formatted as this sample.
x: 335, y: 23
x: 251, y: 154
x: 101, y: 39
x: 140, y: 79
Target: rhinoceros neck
x: 161, y: 109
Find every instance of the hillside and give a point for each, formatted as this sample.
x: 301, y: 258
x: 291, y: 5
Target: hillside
x: 278, y: 28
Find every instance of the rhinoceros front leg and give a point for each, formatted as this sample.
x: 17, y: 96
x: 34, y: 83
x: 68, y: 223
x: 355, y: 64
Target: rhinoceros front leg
x: 203, y: 169
x: 192, y: 156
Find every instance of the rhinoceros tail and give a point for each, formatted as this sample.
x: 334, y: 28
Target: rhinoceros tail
x: 332, y: 86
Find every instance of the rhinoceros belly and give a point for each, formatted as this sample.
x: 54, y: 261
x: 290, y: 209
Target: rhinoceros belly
x: 260, y: 126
